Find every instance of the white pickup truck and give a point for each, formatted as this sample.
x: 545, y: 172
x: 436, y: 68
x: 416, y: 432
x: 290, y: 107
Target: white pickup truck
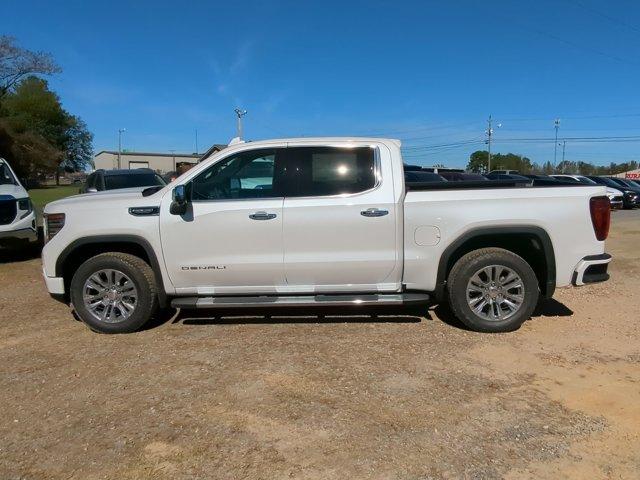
x: 322, y: 221
x: 17, y: 216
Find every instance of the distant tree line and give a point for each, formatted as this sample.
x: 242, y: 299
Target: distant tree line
x: 511, y: 161
x: 37, y: 135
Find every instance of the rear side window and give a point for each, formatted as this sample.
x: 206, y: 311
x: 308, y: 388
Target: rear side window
x: 322, y: 171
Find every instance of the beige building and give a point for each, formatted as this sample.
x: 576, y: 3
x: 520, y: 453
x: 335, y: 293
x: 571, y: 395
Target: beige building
x: 160, y: 162
x: 631, y: 174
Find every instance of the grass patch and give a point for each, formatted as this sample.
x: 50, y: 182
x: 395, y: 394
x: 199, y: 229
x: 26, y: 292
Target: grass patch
x: 41, y: 196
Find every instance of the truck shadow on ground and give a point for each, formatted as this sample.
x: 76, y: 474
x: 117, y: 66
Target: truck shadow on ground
x: 546, y: 308
x: 24, y: 254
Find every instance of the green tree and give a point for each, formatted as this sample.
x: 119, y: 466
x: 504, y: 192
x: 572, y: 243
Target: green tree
x: 478, y: 162
x: 37, y: 135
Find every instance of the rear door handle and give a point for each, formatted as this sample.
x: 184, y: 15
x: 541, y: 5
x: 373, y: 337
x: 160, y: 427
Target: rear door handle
x: 374, y: 212
x: 262, y: 216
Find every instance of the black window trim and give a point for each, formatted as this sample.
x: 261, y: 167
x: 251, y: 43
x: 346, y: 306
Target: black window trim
x: 283, y: 150
x: 278, y: 151
x: 377, y: 172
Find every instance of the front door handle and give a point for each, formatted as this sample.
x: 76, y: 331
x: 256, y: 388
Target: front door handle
x: 374, y: 212
x: 262, y: 216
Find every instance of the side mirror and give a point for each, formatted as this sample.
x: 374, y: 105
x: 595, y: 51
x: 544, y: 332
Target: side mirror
x: 180, y: 201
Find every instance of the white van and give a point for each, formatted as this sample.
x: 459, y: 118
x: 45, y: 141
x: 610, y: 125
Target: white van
x: 17, y: 216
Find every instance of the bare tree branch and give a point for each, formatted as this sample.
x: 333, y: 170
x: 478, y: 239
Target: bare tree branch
x: 17, y: 62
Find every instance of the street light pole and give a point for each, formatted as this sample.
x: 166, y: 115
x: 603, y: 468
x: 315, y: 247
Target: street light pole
x: 240, y: 113
x: 120, y: 131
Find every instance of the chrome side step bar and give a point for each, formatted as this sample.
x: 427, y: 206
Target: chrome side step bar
x: 346, y: 300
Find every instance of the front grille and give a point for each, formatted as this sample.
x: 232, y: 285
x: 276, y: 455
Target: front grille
x: 8, y: 209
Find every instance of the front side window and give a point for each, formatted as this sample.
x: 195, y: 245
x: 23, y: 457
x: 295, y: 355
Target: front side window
x: 244, y: 175
x: 321, y: 171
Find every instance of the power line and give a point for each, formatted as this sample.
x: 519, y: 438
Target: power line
x: 604, y: 15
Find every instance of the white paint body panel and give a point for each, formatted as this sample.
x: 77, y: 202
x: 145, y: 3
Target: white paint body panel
x: 563, y: 212
x: 324, y: 244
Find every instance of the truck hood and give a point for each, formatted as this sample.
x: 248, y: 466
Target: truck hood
x: 15, y: 191
x: 103, y: 200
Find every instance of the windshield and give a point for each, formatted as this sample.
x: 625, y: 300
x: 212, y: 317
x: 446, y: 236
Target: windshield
x: 609, y: 182
x: 586, y: 181
x: 6, y: 177
x: 114, y: 182
x: 628, y: 183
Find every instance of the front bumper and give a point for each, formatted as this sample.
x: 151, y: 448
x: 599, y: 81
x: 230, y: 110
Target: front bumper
x: 55, y: 285
x: 591, y: 269
x: 29, y: 234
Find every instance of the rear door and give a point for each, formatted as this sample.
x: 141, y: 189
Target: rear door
x: 339, y: 221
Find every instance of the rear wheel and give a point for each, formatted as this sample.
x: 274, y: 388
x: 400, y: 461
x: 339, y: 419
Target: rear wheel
x: 492, y: 290
x: 114, y: 293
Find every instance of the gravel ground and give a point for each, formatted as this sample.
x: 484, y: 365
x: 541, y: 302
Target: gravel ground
x: 393, y: 396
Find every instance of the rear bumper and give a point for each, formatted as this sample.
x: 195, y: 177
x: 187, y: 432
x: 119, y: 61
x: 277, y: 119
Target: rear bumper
x: 591, y: 269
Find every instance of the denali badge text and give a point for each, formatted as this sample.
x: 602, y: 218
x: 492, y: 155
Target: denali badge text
x: 205, y: 267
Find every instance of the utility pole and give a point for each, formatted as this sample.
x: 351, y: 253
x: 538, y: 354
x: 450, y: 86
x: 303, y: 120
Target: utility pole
x: 564, y: 145
x: 173, y: 152
x: 120, y: 131
x: 240, y: 113
x: 489, y: 134
x: 555, y: 146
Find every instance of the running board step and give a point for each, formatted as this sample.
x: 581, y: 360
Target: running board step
x: 301, y: 300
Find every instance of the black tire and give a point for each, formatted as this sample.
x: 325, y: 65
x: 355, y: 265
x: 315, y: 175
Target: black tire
x: 467, y: 266
x: 140, y: 274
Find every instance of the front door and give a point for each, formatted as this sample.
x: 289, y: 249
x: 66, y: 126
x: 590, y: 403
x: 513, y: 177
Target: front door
x: 230, y: 239
x: 340, y: 221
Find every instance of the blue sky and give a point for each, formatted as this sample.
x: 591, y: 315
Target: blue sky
x: 426, y: 72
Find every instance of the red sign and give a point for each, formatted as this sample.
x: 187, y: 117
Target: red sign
x: 632, y: 175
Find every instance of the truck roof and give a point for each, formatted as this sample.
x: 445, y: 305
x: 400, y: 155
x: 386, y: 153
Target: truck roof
x: 321, y: 140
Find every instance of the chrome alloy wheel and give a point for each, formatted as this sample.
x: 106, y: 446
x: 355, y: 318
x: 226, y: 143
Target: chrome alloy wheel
x: 110, y: 296
x: 495, y: 293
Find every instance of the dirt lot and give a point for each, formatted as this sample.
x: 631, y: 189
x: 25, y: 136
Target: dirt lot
x: 391, y: 397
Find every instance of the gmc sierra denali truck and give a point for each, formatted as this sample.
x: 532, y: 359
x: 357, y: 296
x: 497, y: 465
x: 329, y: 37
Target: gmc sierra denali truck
x: 17, y: 216
x: 324, y: 221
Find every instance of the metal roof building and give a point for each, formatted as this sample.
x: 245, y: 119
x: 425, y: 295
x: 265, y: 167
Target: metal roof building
x: 160, y: 162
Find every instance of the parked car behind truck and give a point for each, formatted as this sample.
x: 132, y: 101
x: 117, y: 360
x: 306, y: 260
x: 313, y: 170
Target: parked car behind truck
x: 17, y: 216
x: 322, y: 221
x: 137, y: 178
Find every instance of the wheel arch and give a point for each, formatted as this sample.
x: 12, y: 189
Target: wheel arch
x: 80, y: 250
x: 530, y: 242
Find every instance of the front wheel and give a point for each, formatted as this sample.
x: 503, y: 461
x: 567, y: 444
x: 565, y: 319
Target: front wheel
x: 114, y: 292
x: 492, y: 290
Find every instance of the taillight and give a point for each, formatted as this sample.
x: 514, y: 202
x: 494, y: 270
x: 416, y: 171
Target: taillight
x: 600, y: 208
x: 53, y: 224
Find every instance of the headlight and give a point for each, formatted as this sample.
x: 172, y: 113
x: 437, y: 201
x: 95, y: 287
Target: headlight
x: 53, y: 223
x: 25, y: 205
